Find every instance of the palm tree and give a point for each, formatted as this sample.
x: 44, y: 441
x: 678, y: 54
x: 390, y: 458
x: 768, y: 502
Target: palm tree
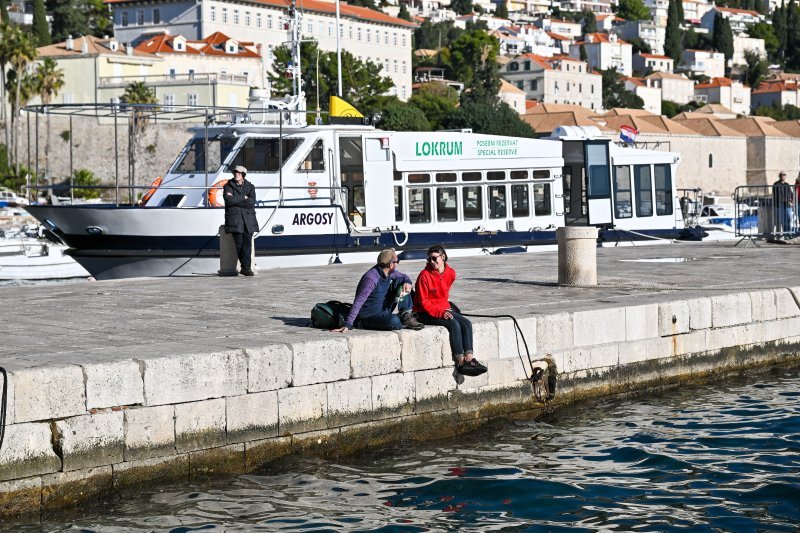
x: 6, y: 40
x: 142, y: 98
x: 22, y: 50
x: 49, y: 80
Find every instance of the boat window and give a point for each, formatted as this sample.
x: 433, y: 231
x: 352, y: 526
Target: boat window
x: 470, y: 176
x: 193, y: 158
x: 419, y: 205
x: 419, y: 178
x: 473, y: 203
x: 315, y: 160
x: 541, y: 199
x: 644, y: 190
x: 398, y: 204
x: 263, y: 155
x: 541, y: 174
x: 623, y: 205
x: 446, y: 176
x: 663, y: 179
x: 519, y: 174
x: 520, y: 203
x: 173, y: 200
x: 567, y: 179
x: 446, y: 204
x: 496, y: 175
x: 497, y: 201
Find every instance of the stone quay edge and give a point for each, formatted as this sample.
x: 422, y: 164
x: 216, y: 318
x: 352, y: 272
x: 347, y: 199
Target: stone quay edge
x: 122, y: 384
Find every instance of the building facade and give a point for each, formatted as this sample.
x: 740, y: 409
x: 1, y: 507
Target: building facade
x: 555, y: 80
x: 367, y: 34
x: 729, y: 93
x: 605, y: 51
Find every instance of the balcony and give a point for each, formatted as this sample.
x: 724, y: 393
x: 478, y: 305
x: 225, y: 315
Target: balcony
x: 172, y: 79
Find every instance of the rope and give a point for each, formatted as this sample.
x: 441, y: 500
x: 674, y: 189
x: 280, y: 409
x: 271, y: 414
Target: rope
x: 541, y: 386
x: 3, y: 402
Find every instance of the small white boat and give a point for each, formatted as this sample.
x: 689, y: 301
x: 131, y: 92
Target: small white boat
x: 37, y: 259
x: 10, y: 198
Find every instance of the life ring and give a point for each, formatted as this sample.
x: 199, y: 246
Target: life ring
x: 215, y: 194
x: 153, y: 187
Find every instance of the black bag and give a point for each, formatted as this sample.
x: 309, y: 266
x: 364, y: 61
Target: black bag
x: 330, y: 315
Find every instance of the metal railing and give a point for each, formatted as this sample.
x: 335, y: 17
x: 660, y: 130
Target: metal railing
x: 767, y: 211
x: 172, y: 79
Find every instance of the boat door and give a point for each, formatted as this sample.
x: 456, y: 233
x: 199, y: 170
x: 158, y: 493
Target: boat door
x: 365, y: 171
x: 587, y: 183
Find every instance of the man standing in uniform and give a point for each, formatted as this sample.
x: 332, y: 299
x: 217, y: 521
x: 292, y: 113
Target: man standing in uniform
x: 240, y: 215
x: 783, y: 201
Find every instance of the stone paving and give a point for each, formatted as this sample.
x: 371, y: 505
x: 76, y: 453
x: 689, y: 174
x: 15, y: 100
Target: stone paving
x: 78, y: 322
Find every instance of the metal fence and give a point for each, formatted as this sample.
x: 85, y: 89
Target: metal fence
x: 767, y: 211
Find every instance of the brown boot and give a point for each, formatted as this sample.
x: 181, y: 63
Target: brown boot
x: 410, y: 321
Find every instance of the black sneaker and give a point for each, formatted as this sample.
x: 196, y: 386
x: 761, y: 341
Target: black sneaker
x: 471, y: 368
x: 247, y: 273
x: 410, y: 321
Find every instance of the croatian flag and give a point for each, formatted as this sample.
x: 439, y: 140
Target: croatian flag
x: 627, y: 134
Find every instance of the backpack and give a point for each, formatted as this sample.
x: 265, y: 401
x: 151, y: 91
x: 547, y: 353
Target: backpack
x: 330, y: 315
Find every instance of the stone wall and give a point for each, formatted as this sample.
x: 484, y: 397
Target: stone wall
x: 75, y: 431
x: 93, y: 148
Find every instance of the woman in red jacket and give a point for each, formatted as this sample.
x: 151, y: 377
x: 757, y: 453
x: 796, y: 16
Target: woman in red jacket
x: 432, y: 304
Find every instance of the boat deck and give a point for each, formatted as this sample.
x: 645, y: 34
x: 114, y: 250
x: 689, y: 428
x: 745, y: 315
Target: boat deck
x: 74, y: 323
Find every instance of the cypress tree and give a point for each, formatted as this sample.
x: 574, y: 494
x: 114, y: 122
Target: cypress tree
x: 41, y: 31
x: 672, y: 39
x: 722, y: 39
x: 4, y: 11
x: 403, y: 13
x: 792, y: 37
x: 589, y: 22
x: 502, y: 10
x: 779, y: 25
x: 679, y: 5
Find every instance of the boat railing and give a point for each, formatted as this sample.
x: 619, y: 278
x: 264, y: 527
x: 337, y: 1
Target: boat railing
x: 316, y: 193
x: 768, y: 212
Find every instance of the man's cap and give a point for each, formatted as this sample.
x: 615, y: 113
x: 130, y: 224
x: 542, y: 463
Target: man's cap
x: 240, y: 168
x: 386, y: 256
x: 782, y: 174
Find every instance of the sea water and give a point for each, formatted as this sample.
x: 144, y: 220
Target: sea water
x: 723, y: 456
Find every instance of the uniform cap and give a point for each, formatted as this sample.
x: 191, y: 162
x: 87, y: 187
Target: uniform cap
x: 386, y: 256
x: 240, y: 168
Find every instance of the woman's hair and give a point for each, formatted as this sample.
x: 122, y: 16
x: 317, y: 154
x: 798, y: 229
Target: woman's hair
x: 437, y: 249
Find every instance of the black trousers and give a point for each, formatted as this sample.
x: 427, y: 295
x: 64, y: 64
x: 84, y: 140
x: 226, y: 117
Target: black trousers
x: 244, y: 248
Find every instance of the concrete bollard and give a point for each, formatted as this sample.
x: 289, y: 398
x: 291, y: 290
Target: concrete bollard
x: 577, y: 255
x: 228, y: 260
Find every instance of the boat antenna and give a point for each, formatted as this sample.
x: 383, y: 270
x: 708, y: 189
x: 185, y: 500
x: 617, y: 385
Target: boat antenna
x: 338, y: 50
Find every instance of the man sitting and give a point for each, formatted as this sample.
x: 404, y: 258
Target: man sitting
x: 382, y: 288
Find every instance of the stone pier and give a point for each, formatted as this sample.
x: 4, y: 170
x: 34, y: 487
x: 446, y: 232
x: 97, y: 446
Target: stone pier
x: 118, y: 383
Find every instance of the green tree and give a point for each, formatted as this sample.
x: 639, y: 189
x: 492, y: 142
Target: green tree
x: 49, y: 80
x: 792, y: 53
x: 69, y: 18
x: 21, y: 52
x: 99, y: 18
x: 436, y: 101
x: 362, y: 83
x: 762, y: 30
x: 403, y: 13
x: 41, y: 30
x: 672, y: 39
x: 85, y: 178
x: 756, y: 68
x: 722, y: 38
x: 639, y: 46
x: 502, y: 10
x: 696, y: 41
x: 615, y: 94
x: 364, y: 3
x: 4, y: 12
x: 472, y: 50
x: 670, y: 109
x: 583, y: 55
x: 778, y: 112
x: 493, y: 118
x: 436, y: 36
x: 400, y: 116
x: 632, y: 10
x: 779, y: 25
x: 462, y: 7
x: 589, y: 22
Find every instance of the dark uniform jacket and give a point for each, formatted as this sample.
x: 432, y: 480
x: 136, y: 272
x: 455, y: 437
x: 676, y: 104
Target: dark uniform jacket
x: 240, y: 213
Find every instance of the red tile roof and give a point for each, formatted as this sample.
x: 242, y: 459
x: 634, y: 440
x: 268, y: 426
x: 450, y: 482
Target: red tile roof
x: 320, y: 6
x: 776, y: 86
x: 599, y: 38
x: 714, y: 83
x: 558, y: 36
x: 654, y: 56
x: 738, y: 11
x: 213, y: 45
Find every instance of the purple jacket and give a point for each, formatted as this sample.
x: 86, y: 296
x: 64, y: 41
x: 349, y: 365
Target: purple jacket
x: 372, y: 293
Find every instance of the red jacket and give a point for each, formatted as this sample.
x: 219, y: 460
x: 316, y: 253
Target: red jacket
x: 432, y: 291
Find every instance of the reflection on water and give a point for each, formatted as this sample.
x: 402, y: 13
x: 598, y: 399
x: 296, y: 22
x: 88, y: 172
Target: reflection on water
x: 720, y: 457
